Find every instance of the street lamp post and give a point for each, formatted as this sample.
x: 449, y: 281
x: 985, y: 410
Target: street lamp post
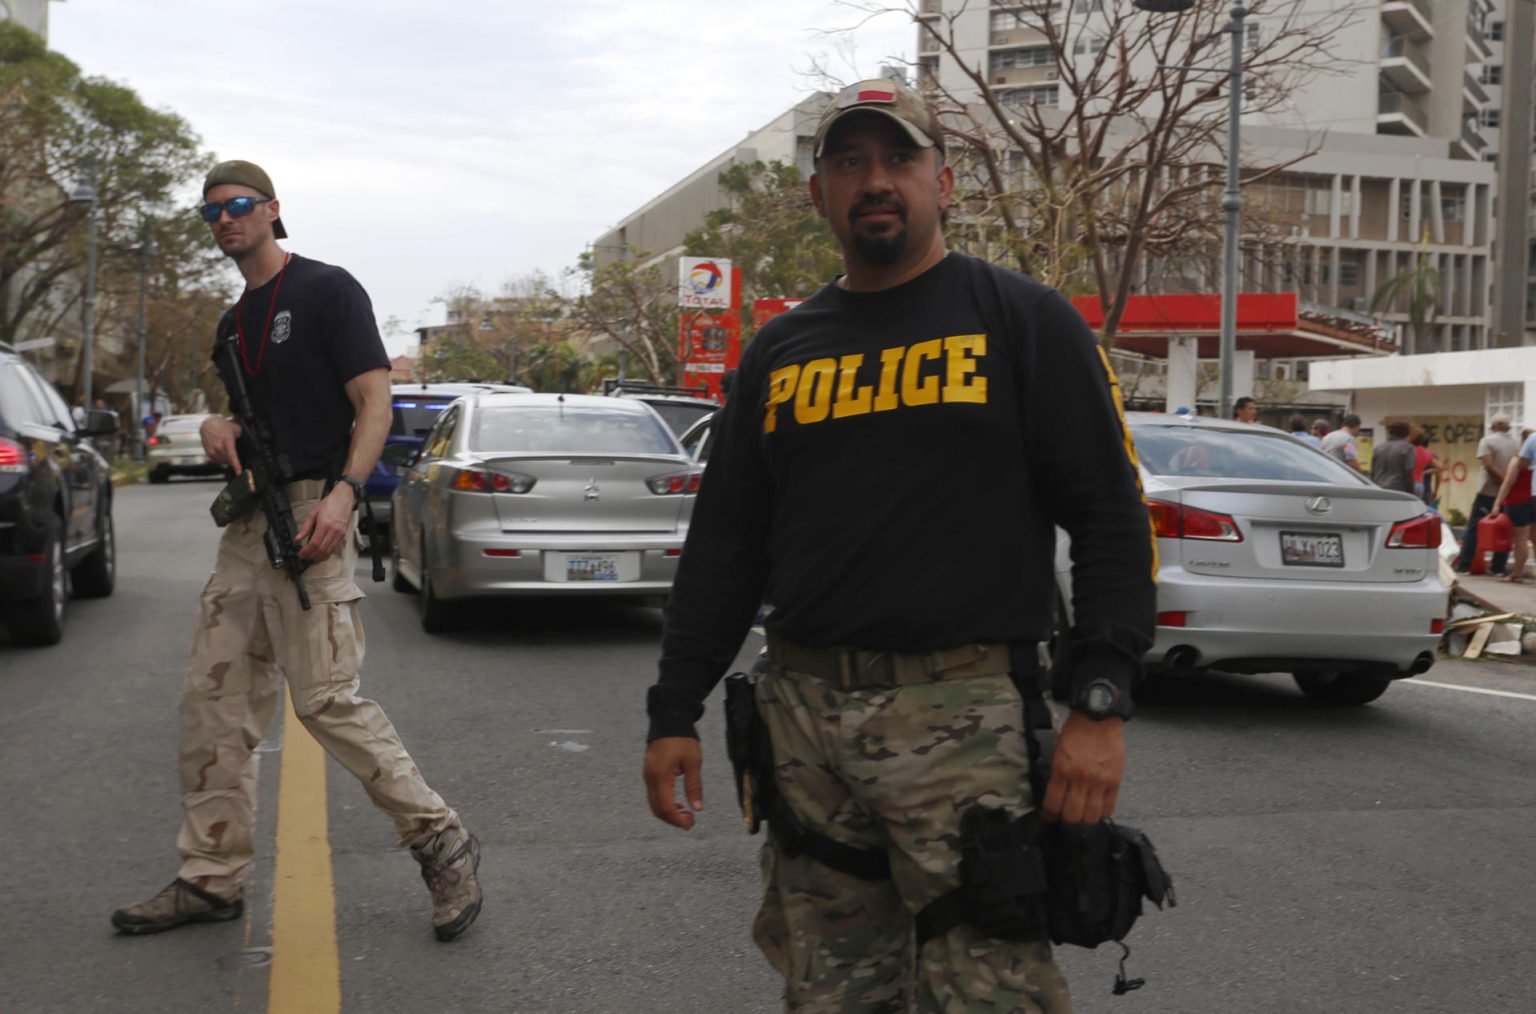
x: 1232, y: 197
x: 147, y: 250
x: 85, y: 193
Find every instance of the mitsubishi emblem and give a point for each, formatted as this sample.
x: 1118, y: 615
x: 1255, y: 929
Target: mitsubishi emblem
x: 1319, y: 504
x: 591, y: 492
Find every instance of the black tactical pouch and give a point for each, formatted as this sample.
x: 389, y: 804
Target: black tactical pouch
x: 743, y: 744
x: 1098, y: 875
x: 237, y: 499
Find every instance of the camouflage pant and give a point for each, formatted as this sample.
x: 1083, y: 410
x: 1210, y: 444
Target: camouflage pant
x: 250, y: 632
x: 893, y: 770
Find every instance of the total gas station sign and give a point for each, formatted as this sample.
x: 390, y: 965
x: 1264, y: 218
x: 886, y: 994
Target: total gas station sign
x: 704, y: 283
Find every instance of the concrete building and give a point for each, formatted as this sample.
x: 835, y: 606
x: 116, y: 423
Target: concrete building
x: 657, y: 227
x: 29, y: 14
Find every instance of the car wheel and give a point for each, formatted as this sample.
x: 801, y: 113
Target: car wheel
x: 1341, y: 688
x: 435, y: 618
x: 40, y: 621
x: 160, y: 474
x: 398, y: 582
x: 96, y: 575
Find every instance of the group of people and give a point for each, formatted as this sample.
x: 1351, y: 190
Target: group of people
x: 1505, y: 479
x: 1405, y: 463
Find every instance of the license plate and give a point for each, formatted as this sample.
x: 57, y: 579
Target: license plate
x: 593, y: 567
x: 1311, y: 549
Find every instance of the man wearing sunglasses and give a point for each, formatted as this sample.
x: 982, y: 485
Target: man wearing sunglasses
x: 316, y: 368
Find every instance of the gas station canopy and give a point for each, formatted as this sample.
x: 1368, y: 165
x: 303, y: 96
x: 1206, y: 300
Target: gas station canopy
x: 1271, y: 325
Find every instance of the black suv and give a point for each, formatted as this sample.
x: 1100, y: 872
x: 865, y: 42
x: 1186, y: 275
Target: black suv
x: 55, y: 505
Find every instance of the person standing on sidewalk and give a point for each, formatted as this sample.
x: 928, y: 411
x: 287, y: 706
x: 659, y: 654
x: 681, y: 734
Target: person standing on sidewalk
x: 316, y: 368
x: 1517, y: 498
x: 888, y: 473
x: 1341, y: 444
x: 1494, y: 452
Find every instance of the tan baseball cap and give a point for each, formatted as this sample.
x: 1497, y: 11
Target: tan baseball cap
x: 245, y: 174
x: 891, y: 99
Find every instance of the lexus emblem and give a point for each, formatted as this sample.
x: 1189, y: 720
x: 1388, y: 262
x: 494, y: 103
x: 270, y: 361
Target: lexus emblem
x: 1319, y: 504
x: 592, y: 492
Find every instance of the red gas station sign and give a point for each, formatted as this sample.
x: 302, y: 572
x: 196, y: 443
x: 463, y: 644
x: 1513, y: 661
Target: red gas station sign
x: 709, y: 341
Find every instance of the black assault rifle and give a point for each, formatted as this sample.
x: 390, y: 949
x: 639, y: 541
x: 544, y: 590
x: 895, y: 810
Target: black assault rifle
x: 264, y: 472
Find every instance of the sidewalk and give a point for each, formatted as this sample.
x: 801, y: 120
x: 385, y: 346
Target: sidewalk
x: 1510, y: 598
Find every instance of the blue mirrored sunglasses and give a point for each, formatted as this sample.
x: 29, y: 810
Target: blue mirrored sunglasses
x: 238, y: 207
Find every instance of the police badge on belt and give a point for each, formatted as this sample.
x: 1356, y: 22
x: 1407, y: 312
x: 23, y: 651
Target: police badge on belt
x: 236, y: 500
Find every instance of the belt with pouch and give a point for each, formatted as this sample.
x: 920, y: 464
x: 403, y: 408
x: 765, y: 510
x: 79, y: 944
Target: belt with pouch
x: 850, y: 669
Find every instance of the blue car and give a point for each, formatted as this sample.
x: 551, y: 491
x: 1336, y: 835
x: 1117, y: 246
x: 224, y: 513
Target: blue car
x: 416, y: 407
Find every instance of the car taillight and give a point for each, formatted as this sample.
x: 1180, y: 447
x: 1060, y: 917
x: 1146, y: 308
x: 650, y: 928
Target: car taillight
x: 152, y: 441
x: 13, y: 456
x: 675, y: 482
x: 1175, y: 521
x: 473, y: 480
x: 1422, y: 532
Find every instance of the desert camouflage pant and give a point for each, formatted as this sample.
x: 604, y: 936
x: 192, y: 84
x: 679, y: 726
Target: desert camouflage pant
x: 893, y: 770
x: 251, y: 632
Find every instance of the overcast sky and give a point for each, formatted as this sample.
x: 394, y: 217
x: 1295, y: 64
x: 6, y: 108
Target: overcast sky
x: 424, y: 147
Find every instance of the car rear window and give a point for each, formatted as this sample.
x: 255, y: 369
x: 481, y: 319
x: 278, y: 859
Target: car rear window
x: 575, y: 430
x: 1227, y: 454
x: 414, y: 416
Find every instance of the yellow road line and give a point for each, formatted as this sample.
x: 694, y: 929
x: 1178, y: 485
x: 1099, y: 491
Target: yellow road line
x: 306, y: 975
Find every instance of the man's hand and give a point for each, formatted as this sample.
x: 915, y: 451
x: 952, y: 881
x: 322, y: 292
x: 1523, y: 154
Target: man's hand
x: 328, y: 526
x: 1086, y: 770
x: 665, y: 760
x: 219, y: 435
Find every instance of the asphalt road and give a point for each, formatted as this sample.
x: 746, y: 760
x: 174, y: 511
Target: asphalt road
x: 1361, y: 860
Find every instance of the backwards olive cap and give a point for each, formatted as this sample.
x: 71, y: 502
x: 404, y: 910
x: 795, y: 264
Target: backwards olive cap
x: 245, y: 174
x: 890, y: 99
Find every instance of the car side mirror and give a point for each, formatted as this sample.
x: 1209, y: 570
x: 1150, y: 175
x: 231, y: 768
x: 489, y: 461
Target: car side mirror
x: 400, y: 455
x: 100, y: 422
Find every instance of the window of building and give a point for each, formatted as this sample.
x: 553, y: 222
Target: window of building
x: 1496, y: 31
x: 1253, y: 36
x: 1509, y: 399
x: 1088, y: 6
x: 1453, y: 207
x: 1022, y: 56
x: 1488, y: 117
x: 1087, y: 45
x: 1007, y: 21
x: 1349, y: 274
x: 1043, y: 95
x: 1319, y: 201
x: 927, y: 68
x: 1493, y: 73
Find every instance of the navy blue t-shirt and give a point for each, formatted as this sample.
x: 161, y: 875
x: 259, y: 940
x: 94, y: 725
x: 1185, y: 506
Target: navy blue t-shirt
x: 321, y: 335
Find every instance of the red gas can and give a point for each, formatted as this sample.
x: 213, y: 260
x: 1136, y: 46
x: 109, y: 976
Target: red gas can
x: 1495, y: 534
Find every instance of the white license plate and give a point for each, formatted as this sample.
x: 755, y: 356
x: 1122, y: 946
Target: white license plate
x: 1311, y: 549
x: 598, y: 568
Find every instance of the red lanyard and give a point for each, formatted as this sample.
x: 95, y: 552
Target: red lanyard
x: 266, y: 332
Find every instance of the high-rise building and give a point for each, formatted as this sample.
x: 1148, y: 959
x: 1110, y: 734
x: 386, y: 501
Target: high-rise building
x: 29, y: 14
x: 1396, y: 117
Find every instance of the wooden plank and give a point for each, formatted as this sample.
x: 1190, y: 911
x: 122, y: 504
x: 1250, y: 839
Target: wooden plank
x: 1479, y: 640
x: 1472, y: 621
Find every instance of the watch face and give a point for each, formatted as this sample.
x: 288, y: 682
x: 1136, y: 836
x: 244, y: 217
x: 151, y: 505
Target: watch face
x: 1100, y: 698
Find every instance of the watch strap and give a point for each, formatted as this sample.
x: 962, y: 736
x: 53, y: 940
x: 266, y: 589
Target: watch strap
x: 359, y: 492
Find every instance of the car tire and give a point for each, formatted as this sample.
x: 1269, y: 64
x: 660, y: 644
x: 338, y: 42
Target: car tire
x: 1341, y: 688
x: 160, y: 474
x: 435, y: 616
x: 40, y: 621
x: 95, y: 576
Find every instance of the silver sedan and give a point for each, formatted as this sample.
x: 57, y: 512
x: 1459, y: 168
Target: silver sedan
x: 1274, y: 557
x: 176, y: 448
x: 541, y: 494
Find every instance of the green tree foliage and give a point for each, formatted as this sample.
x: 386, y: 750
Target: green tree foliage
x: 634, y: 302
x: 1419, y: 286
x: 771, y: 231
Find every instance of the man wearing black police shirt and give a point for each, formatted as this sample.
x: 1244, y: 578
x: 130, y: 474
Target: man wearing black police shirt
x: 888, y: 474
x: 316, y: 369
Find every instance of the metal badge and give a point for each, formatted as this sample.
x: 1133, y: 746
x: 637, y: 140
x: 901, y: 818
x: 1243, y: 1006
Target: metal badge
x: 591, y: 492
x: 1319, y: 504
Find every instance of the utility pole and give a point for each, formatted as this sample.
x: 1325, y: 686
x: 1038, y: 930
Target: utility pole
x: 1511, y: 242
x: 85, y: 193
x: 146, y: 251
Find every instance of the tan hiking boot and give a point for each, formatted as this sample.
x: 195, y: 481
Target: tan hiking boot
x: 448, y: 861
x: 180, y: 903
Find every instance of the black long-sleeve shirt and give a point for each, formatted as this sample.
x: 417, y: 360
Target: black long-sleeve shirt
x: 887, y: 473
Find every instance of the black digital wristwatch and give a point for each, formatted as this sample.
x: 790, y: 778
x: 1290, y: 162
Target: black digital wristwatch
x: 358, y: 491
x: 1100, y: 699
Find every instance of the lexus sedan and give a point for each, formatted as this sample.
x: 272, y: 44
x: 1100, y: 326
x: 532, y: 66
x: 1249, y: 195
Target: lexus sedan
x: 541, y: 494
x: 1274, y: 557
x: 176, y: 448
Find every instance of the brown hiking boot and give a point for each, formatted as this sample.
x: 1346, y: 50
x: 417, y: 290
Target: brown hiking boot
x: 180, y: 903
x: 448, y: 861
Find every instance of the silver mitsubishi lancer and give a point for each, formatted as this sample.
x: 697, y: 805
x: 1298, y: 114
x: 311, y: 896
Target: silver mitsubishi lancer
x: 541, y: 494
